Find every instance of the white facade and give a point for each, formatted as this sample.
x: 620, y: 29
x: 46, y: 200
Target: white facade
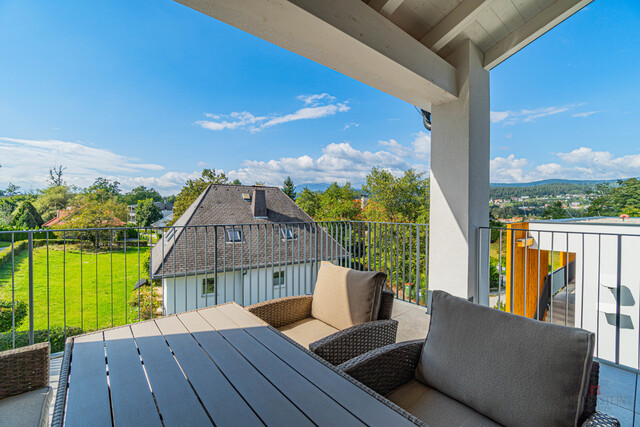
x: 607, y: 256
x: 246, y: 287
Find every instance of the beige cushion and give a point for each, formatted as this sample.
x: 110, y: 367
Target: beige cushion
x: 435, y: 408
x: 344, y: 297
x: 307, y: 331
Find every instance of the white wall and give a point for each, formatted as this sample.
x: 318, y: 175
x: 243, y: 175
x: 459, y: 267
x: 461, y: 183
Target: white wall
x: 245, y: 288
x: 596, y: 249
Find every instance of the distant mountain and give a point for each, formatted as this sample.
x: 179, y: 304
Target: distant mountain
x: 313, y: 187
x: 552, y: 181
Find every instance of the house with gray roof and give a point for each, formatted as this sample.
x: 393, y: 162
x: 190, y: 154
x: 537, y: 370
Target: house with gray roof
x: 240, y: 243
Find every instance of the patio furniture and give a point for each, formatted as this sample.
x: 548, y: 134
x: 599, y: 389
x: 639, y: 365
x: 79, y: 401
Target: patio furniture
x: 348, y: 314
x: 219, y: 365
x: 481, y: 366
x: 25, y: 394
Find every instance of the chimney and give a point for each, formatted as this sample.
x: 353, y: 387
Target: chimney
x: 259, y: 204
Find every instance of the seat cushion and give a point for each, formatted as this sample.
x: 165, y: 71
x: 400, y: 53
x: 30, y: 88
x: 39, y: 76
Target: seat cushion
x: 27, y: 409
x: 514, y: 370
x: 344, y: 297
x: 435, y: 408
x: 308, y: 330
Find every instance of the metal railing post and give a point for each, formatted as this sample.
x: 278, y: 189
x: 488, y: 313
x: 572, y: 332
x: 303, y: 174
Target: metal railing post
x: 31, y: 322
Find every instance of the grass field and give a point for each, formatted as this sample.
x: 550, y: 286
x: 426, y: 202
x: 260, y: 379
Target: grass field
x: 79, y: 293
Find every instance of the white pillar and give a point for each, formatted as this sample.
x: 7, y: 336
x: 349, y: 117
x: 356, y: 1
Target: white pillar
x: 460, y: 178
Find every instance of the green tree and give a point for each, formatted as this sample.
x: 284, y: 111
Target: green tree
x: 623, y: 198
x: 193, y: 188
x: 103, y: 189
x: 236, y: 182
x: 11, y: 190
x: 289, y: 189
x: 91, y: 212
x: 309, y: 201
x: 55, y: 175
x: 402, y: 199
x: 147, y: 213
x: 338, y: 203
x: 555, y: 211
x: 141, y: 193
x: 26, y: 216
x: 52, y: 199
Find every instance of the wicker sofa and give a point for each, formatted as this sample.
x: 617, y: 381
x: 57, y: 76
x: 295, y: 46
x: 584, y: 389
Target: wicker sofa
x: 25, y: 394
x: 482, y: 367
x: 349, y: 314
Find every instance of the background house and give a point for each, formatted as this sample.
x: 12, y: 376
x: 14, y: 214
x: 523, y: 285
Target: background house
x: 232, y: 241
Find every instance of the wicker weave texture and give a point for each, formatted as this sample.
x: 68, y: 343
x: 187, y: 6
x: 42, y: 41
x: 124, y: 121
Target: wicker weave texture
x: 386, y: 305
x: 356, y: 340
x: 24, y: 369
x: 387, y: 368
x: 598, y: 419
x: 283, y: 311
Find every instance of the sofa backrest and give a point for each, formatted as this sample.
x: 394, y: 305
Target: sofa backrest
x: 344, y: 297
x: 514, y: 370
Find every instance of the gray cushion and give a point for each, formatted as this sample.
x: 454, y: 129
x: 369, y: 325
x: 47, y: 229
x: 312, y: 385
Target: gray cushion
x: 516, y: 371
x: 28, y: 409
x: 435, y: 408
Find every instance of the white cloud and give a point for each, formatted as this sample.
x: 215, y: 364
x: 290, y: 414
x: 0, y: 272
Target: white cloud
x: 395, y: 147
x: 203, y: 164
x: 351, y: 125
x: 585, y: 114
x: 315, y: 107
x: 513, y: 117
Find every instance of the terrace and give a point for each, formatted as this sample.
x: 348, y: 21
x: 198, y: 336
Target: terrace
x: 436, y: 55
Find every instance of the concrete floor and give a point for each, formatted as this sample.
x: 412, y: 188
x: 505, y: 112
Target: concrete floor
x: 413, y: 320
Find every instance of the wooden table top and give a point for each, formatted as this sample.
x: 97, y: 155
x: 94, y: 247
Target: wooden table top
x: 219, y: 365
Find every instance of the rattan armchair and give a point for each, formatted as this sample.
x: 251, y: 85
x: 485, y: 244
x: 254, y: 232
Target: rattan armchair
x: 388, y: 368
x: 25, y: 394
x: 340, y: 346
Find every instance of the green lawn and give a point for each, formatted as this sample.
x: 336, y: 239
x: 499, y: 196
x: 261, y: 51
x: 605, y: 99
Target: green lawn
x: 73, y: 288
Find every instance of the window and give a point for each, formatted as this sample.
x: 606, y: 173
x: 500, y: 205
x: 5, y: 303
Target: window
x: 234, y: 235
x: 278, y: 278
x: 208, y: 286
x: 287, y: 233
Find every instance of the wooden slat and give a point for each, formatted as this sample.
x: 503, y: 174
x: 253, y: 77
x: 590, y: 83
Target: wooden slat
x: 360, y: 403
x: 174, y: 395
x: 131, y: 398
x: 222, y: 401
x: 270, y: 405
x: 307, y: 397
x: 88, y: 397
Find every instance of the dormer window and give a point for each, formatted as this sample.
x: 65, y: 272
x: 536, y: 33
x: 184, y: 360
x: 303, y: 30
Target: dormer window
x: 233, y: 235
x: 287, y: 233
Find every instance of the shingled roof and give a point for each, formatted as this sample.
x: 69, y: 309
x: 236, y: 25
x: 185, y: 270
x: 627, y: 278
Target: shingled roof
x: 261, y: 213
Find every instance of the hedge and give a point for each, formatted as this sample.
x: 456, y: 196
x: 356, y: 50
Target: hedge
x: 10, y: 317
x: 57, y: 338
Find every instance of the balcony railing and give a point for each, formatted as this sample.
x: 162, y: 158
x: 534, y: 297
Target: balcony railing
x: 572, y: 274
x: 62, y: 282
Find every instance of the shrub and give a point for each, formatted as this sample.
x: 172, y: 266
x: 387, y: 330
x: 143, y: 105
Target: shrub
x: 56, y: 335
x: 5, y: 255
x: 6, y: 314
x: 146, y: 308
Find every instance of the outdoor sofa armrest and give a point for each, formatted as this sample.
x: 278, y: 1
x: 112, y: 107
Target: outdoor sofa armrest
x: 598, y: 419
x: 283, y: 311
x: 351, y: 342
x: 386, y: 305
x: 24, y: 369
x: 387, y: 368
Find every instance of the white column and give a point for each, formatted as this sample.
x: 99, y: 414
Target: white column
x: 460, y: 178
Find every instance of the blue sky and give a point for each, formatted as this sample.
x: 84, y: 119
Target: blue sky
x: 150, y: 92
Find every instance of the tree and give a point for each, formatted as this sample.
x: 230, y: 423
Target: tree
x: 52, y: 199
x: 147, y: 213
x: 55, y: 175
x: 260, y: 183
x: 91, y: 212
x: 12, y: 190
x: 289, y: 189
x: 26, y: 216
x: 141, y: 193
x: 555, y: 211
x: 338, y: 203
x: 623, y: 198
x: 309, y: 201
x: 193, y: 188
x: 402, y: 199
x: 103, y: 189
x: 236, y: 182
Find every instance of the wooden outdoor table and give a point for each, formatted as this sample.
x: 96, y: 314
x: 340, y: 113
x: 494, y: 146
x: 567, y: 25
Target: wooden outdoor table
x: 218, y: 365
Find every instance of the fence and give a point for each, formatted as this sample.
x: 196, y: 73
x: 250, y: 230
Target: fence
x: 63, y: 282
x: 581, y: 274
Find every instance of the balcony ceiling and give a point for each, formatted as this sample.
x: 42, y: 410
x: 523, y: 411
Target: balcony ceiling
x: 498, y: 27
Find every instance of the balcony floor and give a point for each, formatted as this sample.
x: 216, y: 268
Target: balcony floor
x: 619, y: 388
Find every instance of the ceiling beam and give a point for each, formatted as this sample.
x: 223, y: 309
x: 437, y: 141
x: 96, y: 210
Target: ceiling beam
x: 453, y: 24
x: 347, y: 36
x: 545, y: 20
x: 385, y: 7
